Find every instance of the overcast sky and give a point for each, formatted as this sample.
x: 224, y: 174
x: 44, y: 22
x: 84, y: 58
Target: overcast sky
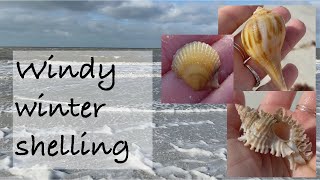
x: 132, y: 24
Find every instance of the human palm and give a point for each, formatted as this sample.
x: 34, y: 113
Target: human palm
x: 174, y: 90
x: 231, y: 18
x: 250, y: 163
x: 247, y: 163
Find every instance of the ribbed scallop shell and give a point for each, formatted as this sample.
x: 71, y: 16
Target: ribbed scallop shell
x: 262, y: 38
x: 260, y: 131
x: 197, y: 64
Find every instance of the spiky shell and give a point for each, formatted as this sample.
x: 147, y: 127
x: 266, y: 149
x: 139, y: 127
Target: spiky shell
x: 262, y: 38
x: 197, y: 64
x: 260, y: 132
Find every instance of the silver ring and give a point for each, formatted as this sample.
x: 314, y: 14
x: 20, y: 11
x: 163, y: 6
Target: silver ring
x: 240, y: 50
x: 243, y: 55
x: 254, y: 73
x: 306, y: 109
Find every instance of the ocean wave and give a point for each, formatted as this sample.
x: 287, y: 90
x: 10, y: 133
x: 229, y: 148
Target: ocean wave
x: 192, y: 152
x: 118, y: 75
x: 80, y: 63
x: 191, y: 123
x: 130, y: 109
x: 124, y: 69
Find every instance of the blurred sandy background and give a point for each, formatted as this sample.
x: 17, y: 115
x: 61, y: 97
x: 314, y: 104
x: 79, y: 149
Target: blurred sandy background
x: 303, y: 56
x: 254, y: 98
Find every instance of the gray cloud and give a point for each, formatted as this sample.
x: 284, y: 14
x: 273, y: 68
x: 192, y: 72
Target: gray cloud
x: 192, y: 12
x: 54, y: 5
x: 101, y: 24
x: 139, y: 10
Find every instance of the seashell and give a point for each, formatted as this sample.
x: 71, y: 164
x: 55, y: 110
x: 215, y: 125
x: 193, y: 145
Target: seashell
x: 197, y: 63
x: 262, y: 38
x: 275, y: 133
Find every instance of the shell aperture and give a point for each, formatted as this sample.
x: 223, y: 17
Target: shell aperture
x: 261, y: 132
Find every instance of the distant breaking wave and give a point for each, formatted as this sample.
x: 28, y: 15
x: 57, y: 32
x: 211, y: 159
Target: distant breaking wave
x: 124, y: 70
x: 74, y: 63
x: 118, y: 75
x: 131, y: 109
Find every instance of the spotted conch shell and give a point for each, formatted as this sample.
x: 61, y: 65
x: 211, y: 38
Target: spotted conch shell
x: 197, y: 63
x: 276, y: 133
x: 262, y: 38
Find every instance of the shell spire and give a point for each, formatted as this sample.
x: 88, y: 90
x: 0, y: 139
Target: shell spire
x: 197, y: 63
x: 277, y: 134
x: 262, y: 38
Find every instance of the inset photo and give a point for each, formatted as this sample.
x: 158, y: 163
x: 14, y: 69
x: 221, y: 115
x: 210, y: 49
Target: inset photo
x: 272, y: 134
x: 197, y: 69
x: 275, y: 47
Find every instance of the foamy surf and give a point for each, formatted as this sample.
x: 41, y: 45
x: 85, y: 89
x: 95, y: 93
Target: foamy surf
x: 193, y: 152
x: 80, y: 63
x: 172, y: 121
x: 119, y: 75
x: 1, y: 135
x: 37, y: 172
x: 191, y: 123
x: 45, y: 132
x: 127, y: 109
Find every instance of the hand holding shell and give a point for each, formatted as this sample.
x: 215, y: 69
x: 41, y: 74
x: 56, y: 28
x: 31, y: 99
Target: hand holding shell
x: 197, y: 63
x: 262, y: 38
x: 263, y: 132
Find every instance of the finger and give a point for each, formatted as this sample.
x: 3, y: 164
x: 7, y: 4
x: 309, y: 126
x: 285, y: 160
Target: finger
x: 285, y: 14
x: 295, y: 30
x: 224, y: 48
x: 171, y: 43
x: 174, y: 90
x: 308, y: 170
x: 308, y: 100
x: 276, y: 99
x: 223, y: 94
x: 231, y: 17
x: 244, y: 80
x: 238, y: 98
x: 290, y: 74
x: 282, y: 11
x: 307, y: 117
x: 233, y: 120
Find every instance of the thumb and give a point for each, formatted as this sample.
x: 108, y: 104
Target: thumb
x: 233, y: 119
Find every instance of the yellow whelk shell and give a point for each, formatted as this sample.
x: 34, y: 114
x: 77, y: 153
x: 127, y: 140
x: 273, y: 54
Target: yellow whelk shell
x: 275, y: 133
x: 197, y: 64
x: 262, y: 38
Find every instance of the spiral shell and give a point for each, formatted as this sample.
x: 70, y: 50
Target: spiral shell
x: 275, y: 133
x: 262, y: 38
x: 197, y: 64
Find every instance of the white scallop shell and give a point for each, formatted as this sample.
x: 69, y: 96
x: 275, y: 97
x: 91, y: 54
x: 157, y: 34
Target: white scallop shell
x: 197, y: 64
x: 261, y: 131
